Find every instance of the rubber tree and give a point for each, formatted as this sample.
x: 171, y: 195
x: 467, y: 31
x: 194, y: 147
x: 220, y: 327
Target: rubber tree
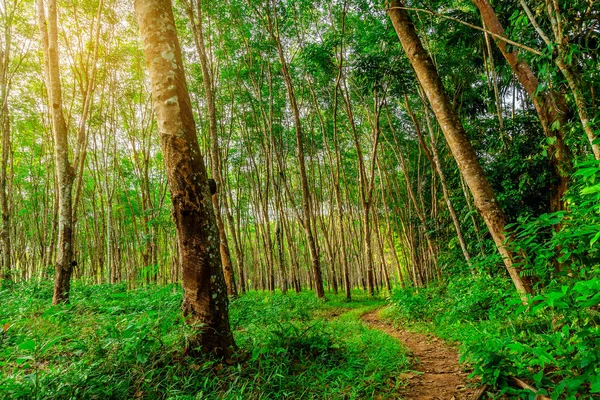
x: 550, y: 105
x: 6, y: 21
x: 456, y: 137
x: 273, y: 28
x: 47, y: 20
x: 195, y: 13
x: 205, y: 302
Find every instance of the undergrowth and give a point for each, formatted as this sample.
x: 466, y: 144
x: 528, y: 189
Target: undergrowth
x: 554, y: 346
x: 110, y: 343
x: 554, y: 342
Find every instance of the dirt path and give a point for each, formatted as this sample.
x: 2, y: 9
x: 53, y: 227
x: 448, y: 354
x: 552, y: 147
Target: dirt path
x: 437, y: 374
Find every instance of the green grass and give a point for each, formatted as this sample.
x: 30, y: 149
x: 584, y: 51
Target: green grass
x: 119, y: 344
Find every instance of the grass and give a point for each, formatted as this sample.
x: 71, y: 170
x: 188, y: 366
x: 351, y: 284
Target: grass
x: 111, y: 343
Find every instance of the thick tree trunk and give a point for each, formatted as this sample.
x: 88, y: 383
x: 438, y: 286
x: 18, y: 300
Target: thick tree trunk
x: 463, y: 152
x: 205, y: 302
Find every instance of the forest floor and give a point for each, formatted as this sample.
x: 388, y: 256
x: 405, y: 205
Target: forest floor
x: 115, y: 343
x: 111, y: 342
x: 436, y: 371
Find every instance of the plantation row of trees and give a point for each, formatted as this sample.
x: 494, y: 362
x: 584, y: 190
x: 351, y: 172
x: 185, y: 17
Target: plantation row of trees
x: 351, y: 143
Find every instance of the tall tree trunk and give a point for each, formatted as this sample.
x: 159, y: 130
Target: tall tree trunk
x: 215, y: 156
x: 306, y: 198
x: 335, y: 172
x: 64, y: 170
x: 6, y: 264
x: 205, y: 302
x: 419, y: 209
x: 436, y: 163
x: 463, y: 152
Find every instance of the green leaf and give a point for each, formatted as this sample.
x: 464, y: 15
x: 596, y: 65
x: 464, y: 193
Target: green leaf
x: 538, y: 377
x: 591, y: 189
x: 50, y: 343
x: 23, y: 359
x: 596, y: 385
x: 28, y: 345
x: 595, y: 239
x: 255, y: 353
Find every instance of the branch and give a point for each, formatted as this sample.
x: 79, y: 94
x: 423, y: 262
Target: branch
x: 494, y: 35
x: 534, y: 22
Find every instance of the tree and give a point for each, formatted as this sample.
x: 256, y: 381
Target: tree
x: 550, y: 106
x: 195, y: 7
x: 461, y: 148
x: 205, y: 302
x: 307, y: 207
x: 7, y: 15
x: 64, y: 170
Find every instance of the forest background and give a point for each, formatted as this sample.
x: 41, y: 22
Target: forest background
x: 340, y: 163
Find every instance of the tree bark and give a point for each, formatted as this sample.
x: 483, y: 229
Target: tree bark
x: 205, y: 302
x: 461, y: 148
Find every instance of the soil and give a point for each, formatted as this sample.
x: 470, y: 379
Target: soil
x: 436, y: 372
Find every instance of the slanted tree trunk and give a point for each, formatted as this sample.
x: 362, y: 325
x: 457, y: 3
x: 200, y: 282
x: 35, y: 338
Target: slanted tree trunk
x: 64, y: 170
x: 437, y: 165
x: 195, y: 6
x: 551, y: 106
x: 205, y: 302
x: 573, y: 80
x: 461, y: 148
